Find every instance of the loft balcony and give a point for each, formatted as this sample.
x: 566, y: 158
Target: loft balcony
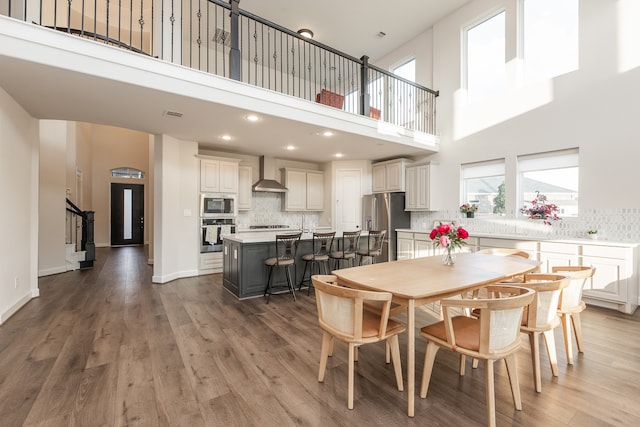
x: 250, y: 62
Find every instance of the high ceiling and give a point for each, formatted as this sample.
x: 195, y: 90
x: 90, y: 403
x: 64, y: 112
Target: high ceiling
x: 58, y: 90
x: 353, y: 26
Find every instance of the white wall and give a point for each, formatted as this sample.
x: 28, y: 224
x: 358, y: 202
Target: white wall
x: 53, y: 179
x: 111, y: 148
x: 176, y: 236
x: 592, y: 108
x: 19, y: 216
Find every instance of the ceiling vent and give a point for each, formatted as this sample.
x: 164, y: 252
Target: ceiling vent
x: 222, y: 37
x: 173, y: 113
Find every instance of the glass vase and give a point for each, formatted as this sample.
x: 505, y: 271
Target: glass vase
x: 449, y: 257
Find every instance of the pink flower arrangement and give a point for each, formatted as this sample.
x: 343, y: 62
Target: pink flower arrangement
x: 541, y: 209
x: 449, y: 237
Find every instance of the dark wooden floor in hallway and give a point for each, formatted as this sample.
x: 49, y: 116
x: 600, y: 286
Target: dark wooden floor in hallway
x: 108, y: 347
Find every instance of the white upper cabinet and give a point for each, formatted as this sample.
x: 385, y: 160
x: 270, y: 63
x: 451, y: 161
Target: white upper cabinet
x: 389, y: 176
x: 245, y: 176
x: 305, y: 190
x: 420, y: 187
x: 219, y: 175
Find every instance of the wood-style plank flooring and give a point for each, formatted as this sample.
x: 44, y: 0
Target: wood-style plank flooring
x: 107, y: 347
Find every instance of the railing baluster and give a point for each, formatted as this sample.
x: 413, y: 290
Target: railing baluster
x: 261, y: 53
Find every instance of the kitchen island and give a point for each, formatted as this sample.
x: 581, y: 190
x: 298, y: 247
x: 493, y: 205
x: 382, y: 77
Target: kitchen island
x: 244, y: 272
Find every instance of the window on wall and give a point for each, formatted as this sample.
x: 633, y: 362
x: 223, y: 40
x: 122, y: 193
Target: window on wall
x: 483, y: 185
x: 549, y: 38
x: 553, y: 174
x: 485, y: 58
x: 127, y: 173
x: 404, y: 94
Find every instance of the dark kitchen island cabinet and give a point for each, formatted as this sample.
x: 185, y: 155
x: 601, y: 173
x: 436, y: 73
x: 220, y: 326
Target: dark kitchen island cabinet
x: 244, y: 272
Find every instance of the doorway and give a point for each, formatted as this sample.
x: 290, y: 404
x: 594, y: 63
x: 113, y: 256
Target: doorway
x: 127, y: 214
x: 348, y: 199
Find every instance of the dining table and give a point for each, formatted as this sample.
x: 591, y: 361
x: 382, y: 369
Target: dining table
x: 419, y: 281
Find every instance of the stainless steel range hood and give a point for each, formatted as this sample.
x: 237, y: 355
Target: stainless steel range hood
x: 267, y: 181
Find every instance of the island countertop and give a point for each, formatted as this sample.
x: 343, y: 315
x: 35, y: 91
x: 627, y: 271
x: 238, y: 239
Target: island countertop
x: 270, y: 236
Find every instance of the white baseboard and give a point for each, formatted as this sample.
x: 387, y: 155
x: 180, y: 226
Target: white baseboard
x: 174, y: 276
x: 15, y: 307
x: 53, y: 270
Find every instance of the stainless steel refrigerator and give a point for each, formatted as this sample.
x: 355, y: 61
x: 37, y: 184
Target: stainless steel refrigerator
x: 385, y: 211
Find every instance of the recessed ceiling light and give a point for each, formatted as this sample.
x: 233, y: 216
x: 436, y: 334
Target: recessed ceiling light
x: 290, y: 147
x: 252, y: 118
x: 381, y: 34
x: 327, y: 133
x: 339, y: 155
x: 226, y: 137
x: 171, y: 113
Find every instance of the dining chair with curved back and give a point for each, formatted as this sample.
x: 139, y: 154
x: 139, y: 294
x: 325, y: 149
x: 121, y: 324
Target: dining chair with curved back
x: 504, y: 252
x: 341, y: 316
x: 350, y: 241
x: 541, y: 318
x: 493, y: 335
x: 321, y: 244
x: 286, y: 247
x: 571, y: 305
x: 375, y: 240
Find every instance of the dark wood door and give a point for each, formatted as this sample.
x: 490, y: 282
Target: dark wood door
x: 127, y: 214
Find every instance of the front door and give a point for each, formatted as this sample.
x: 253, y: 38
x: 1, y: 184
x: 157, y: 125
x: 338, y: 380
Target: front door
x: 127, y: 214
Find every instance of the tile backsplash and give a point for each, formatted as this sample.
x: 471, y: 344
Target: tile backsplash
x: 267, y: 210
x: 619, y: 225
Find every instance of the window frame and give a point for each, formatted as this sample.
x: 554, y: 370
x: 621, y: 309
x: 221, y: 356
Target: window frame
x: 477, y: 170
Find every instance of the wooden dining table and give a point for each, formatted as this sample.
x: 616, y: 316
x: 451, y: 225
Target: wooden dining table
x: 419, y: 281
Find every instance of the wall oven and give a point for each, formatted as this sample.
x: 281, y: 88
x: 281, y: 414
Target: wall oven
x: 217, y: 206
x: 211, y: 231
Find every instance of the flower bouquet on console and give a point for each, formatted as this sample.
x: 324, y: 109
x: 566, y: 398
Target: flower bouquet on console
x: 449, y: 238
x: 541, y: 209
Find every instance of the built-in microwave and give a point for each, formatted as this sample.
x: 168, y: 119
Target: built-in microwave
x: 217, y: 205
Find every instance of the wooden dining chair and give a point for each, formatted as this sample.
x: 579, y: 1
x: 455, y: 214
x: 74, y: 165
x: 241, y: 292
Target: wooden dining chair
x: 571, y: 305
x: 286, y: 248
x: 350, y: 241
x: 541, y: 318
x: 321, y: 244
x: 493, y: 335
x: 507, y: 252
x: 342, y: 316
x: 375, y: 240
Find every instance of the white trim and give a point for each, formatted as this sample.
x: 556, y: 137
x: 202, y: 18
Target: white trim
x: 53, y: 270
x: 15, y: 307
x: 174, y: 276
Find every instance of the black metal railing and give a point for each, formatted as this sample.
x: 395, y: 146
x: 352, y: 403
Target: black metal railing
x: 217, y: 37
x: 80, y: 223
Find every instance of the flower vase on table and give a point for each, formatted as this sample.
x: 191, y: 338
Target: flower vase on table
x: 449, y: 257
x: 449, y: 239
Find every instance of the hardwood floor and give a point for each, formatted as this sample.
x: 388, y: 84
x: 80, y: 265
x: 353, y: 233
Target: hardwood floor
x: 107, y: 347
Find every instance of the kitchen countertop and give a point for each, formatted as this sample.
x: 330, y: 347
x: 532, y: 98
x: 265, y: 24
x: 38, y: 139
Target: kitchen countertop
x: 600, y: 242
x: 269, y: 235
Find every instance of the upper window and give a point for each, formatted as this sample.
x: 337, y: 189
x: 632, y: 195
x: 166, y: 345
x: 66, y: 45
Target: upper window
x: 549, y: 38
x: 554, y: 175
x: 404, y: 94
x: 485, y: 58
x: 483, y: 186
x: 127, y: 173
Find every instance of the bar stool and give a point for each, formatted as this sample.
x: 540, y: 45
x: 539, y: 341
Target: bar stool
x: 350, y: 240
x: 322, y: 243
x: 286, y: 247
x: 374, y: 245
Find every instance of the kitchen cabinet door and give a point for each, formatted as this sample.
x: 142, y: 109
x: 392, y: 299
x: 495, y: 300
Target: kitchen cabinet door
x: 245, y: 199
x: 315, y: 191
